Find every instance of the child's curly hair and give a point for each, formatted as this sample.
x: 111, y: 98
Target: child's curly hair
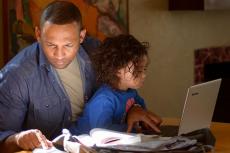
x: 116, y: 53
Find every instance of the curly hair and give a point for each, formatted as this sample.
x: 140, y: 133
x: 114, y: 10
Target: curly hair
x: 116, y: 53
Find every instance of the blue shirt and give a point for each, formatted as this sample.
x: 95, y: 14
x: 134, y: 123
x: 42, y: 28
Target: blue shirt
x: 31, y: 96
x: 107, y: 109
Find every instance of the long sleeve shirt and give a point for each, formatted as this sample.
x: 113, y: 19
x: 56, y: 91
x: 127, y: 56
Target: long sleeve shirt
x: 31, y: 96
x: 107, y: 109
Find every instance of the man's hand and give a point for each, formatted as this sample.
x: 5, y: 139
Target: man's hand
x: 137, y: 114
x: 31, y: 139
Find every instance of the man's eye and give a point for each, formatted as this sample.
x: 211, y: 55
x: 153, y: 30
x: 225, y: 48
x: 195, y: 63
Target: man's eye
x: 69, y: 45
x: 51, y: 45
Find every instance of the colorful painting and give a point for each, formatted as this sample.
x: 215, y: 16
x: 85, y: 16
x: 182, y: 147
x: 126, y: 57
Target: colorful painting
x: 101, y: 18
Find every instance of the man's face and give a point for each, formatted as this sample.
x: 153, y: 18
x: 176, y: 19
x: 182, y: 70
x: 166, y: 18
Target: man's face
x: 60, y: 42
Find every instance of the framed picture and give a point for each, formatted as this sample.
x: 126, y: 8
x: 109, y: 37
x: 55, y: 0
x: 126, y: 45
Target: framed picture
x: 101, y: 18
x: 205, y: 58
x: 217, y: 4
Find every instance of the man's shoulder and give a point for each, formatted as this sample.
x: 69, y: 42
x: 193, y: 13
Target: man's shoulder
x: 27, y: 54
x: 24, y: 62
x: 90, y: 44
x: 82, y: 54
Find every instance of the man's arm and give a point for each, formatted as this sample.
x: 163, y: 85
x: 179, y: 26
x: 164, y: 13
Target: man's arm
x: 9, y: 145
x: 13, y: 109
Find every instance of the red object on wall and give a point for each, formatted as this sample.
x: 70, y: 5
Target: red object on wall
x: 209, y: 56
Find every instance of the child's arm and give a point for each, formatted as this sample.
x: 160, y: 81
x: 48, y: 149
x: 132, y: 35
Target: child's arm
x: 102, y: 114
x: 139, y: 100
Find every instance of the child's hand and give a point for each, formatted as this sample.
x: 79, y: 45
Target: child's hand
x: 137, y: 114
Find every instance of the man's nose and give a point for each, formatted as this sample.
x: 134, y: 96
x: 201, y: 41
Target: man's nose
x: 59, y: 53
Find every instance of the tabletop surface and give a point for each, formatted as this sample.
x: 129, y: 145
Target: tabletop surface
x: 221, y: 131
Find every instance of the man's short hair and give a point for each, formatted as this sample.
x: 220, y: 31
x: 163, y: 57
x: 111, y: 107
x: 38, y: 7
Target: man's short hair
x: 61, y: 12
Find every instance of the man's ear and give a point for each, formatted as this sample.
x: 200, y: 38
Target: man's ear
x: 82, y: 35
x: 38, y: 33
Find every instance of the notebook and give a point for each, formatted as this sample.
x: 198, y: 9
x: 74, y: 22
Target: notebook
x: 198, y: 109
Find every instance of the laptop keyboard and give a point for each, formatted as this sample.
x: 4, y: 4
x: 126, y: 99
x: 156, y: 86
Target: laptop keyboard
x: 166, y: 131
x: 169, y: 130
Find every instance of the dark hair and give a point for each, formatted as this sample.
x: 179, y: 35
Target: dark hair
x: 61, y: 12
x: 116, y: 53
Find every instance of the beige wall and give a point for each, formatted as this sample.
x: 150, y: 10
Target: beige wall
x: 173, y: 36
x: 1, y: 36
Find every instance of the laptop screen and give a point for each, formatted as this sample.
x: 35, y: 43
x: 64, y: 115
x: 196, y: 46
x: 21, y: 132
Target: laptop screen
x: 199, y: 106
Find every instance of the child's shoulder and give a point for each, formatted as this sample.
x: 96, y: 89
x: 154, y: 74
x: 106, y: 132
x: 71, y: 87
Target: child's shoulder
x: 105, y: 90
x: 104, y: 94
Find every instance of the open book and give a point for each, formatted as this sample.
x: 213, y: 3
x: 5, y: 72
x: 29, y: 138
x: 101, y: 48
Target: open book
x: 103, y: 137
x: 113, y: 140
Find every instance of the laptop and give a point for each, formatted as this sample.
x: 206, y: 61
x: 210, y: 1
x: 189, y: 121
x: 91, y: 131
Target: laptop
x: 198, y: 109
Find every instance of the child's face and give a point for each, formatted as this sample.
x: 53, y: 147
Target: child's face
x: 128, y: 79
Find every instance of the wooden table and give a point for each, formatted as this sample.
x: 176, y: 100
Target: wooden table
x: 220, y: 130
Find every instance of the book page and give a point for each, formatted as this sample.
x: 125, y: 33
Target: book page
x: 86, y: 139
x: 104, y: 137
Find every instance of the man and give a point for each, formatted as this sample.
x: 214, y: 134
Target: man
x: 45, y: 86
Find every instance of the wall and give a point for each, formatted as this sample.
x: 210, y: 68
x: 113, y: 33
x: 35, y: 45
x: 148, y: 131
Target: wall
x: 173, y: 36
x: 1, y: 36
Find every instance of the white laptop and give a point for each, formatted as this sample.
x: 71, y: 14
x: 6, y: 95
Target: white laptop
x: 198, y: 109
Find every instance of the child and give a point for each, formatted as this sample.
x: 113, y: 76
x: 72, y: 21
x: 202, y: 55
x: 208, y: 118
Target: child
x: 120, y: 64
